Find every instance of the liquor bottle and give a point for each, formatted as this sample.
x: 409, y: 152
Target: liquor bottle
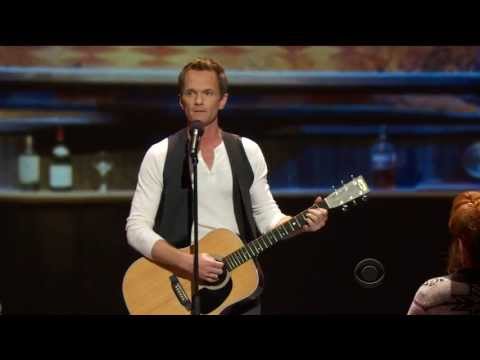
x: 383, y: 161
x: 61, y: 169
x: 29, y: 166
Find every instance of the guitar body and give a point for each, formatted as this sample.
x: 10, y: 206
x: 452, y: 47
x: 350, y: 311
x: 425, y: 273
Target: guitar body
x: 149, y: 289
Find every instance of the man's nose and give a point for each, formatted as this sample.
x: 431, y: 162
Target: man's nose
x: 199, y: 99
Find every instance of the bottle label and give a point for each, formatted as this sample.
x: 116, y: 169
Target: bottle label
x: 29, y: 169
x: 60, y: 176
x: 383, y: 161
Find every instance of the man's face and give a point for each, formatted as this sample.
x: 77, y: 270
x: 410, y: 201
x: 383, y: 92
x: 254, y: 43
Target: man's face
x: 201, y: 97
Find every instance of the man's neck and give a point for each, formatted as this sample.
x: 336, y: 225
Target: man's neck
x: 212, y: 136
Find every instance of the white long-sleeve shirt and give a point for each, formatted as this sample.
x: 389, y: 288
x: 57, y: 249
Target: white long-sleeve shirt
x: 215, y: 200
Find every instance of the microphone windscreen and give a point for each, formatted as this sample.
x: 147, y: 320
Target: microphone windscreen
x: 197, y: 125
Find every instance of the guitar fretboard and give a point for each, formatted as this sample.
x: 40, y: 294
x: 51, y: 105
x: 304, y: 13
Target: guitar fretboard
x: 256, y: 247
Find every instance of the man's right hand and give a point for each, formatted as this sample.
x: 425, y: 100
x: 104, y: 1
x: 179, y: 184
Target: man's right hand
x: 181, y: 262
x: 209, y: 269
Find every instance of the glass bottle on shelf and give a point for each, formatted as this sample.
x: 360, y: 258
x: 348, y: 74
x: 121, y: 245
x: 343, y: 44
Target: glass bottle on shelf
x: 61, y: 169
x: 383, y: 161
x: 29, y: 166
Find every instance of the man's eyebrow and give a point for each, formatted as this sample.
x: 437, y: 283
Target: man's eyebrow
x: 206, y: 89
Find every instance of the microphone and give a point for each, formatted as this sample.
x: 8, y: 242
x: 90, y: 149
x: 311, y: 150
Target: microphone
x: 196, y: 131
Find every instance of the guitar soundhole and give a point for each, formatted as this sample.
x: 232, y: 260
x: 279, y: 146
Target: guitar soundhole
x: 212, y: 295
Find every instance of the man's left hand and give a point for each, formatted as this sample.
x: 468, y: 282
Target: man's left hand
x: 316, y: 218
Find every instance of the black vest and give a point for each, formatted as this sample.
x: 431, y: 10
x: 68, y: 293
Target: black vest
x: 174, y: 216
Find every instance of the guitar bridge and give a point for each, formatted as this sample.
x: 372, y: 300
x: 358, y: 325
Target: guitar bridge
x: 180, y: 293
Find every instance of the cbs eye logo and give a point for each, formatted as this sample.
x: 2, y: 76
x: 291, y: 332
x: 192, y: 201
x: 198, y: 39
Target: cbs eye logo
x: 369, y: 273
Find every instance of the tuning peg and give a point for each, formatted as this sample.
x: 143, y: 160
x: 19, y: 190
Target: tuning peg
x: 364, y: 197
x: 344, y: 208
x: 351, y: 176
x: 354, y: 202
x: 341, y: 182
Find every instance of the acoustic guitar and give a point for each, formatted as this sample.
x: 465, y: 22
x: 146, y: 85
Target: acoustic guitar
x: 149, y: 289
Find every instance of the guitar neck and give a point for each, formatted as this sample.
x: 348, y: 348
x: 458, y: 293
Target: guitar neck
x: 354, y: 189
x: 256, y: 247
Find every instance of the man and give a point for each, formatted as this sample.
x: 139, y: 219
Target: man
x: 158, y: 222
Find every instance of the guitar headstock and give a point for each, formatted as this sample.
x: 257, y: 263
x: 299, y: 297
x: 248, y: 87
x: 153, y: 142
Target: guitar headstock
x: 356, y: 188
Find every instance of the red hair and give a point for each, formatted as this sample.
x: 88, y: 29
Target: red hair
x: 464, y: 225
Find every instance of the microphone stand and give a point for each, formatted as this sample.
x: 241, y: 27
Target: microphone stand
x: 195, y: 295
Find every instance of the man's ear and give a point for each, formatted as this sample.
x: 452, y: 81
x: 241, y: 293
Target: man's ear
x: 180, y: 101
x: 223, y: 101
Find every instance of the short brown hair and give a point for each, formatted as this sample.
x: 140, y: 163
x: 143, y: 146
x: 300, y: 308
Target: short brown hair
x: 464, y: 223
x: 205, y: 64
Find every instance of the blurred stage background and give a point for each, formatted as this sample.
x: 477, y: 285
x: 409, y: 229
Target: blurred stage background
x: 316, y: 111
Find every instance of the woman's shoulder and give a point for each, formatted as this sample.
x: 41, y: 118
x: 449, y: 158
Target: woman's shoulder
x: 434, y: 291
